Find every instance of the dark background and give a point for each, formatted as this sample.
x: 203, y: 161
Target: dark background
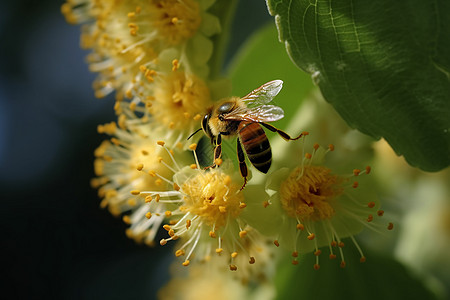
x: 56, y: 242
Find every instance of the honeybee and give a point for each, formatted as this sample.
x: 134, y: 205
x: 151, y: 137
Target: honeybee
x: 243, y: 117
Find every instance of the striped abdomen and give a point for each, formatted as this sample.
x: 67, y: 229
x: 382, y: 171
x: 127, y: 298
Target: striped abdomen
x: 256, y: 145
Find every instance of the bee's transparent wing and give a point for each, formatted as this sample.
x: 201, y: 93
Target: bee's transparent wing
x: 264, y: 94
x: 262, y: 113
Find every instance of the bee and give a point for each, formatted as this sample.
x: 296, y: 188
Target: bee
x: 243, y: 117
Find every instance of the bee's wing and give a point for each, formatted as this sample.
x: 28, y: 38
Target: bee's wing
x: 262, y: 113
x: 264, y: 94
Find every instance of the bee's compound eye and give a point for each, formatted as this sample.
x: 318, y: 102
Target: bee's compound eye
x: 226, y: 107
x: 205, y: 125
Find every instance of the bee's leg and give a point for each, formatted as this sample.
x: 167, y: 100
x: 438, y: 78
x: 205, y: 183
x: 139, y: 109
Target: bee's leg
x: 217, y: 151
x: 242, y: 165
x: 283, y: 134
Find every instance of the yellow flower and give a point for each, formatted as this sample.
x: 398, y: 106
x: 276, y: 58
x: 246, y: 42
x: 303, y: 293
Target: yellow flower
x: 209, y: 281
x: 127, y: 37
x: 124, y: 165
x: 180, y: 100
x: 314, y: 207
x: 203, y: 211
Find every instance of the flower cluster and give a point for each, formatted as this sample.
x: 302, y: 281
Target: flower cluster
x: 155, y: 56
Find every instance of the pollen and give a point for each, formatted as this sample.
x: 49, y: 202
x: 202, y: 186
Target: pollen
x: 211, y: 197
x: 308, y: 193
x: 177, y: 20
x: 177, y: 95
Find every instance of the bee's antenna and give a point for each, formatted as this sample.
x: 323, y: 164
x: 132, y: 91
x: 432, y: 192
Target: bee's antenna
x: 194, y: 133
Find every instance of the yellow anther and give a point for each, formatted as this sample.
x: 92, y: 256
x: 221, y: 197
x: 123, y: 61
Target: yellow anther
x: 242, y: 205
x: 188, y: 223
x: 242, y: 233
x: 175, y: 64
x: 212, y: 234
x: 176, y: 187
x: 140, y: 167
x: 234, y: 254
x: 167, y: 227
x: 158, y: 182
x: 193, y: 166
x: 390, y: 226
x: 115, y: 141
x: 179, y: 253
x: 223, y: 209
x: 152, y: 173
x: 356, y: 172
x: 311, y: 236
x: 168, y: 213
x: 300, y: 226
x: 266, y: 203
x: 218, y: 161
x: 129, y: 233
x: 135, y: 192
x: 186, y: 263
x: 126, y: 220
x: 233, y: 268
x: 148, y: 215
x: 193, y: 147
x: 197, y: 117
x: 219, y: 250
x: 161, y: 143
x: 148, y: 199
x: 163, y: 242
x: 131, y: 202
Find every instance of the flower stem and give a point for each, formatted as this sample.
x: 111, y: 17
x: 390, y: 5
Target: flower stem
x: 224, y: 10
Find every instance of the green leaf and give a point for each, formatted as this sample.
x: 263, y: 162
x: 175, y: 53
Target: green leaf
x: 384, y: 66
x: 377, y: 278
